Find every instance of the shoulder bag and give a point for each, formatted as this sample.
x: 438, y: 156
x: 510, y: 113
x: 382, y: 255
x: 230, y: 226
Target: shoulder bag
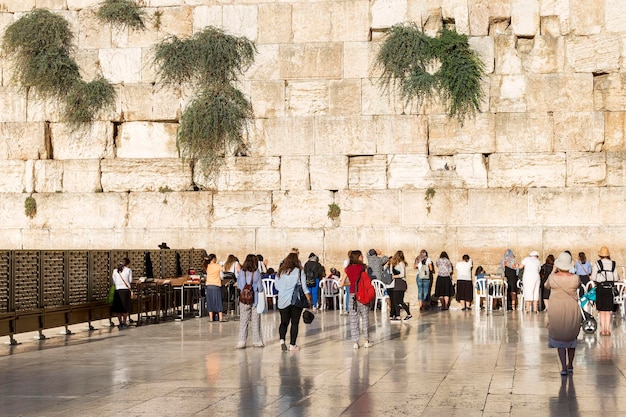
x: 298, y: 298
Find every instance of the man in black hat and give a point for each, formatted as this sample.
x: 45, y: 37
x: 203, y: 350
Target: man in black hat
x: 314, y: 271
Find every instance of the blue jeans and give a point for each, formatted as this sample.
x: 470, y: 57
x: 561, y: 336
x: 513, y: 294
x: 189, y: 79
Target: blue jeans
x: 422, y: 289
x: 314, y: 292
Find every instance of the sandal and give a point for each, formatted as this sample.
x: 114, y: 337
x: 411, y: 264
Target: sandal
x: 563, y: 372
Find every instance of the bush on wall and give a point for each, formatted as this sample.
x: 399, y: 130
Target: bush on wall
x: 123, y: 13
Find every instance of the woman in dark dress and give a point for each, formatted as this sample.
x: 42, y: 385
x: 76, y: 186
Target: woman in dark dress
x: 544, y: 273
x: 511, y: 267
x: 443, y: 287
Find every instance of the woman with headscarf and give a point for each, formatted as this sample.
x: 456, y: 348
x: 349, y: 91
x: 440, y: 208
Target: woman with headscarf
x: 510, y: 266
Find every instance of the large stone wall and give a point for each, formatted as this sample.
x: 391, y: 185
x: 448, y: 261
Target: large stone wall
x: 541, y: 167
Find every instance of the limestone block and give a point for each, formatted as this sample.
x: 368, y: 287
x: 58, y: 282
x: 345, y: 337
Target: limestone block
x: 247, y: 173
x: 447, y: 136
x: 126, y: 37
x: 306, y: 98
x: 148, y: 69
x: 92, y: 33
x: 12, y: 104
x: 275, y: 243
x: 224, y: 241
x: 614, y: 11
x: 335, y: 242
x: 609, y: 206
x: 294, y: 173
x: 377, y: 101
x: 546, y: 55
x: 527, y: 170
x: 287, y: 136
x: 344, y: 97
x: 136, y: 101
x: 20, y: 6
x: 479, y: 17
x: 407, y: 171
x: 147, y: 140
x: 525, y: 17
x: 328, y: 172
x: 40, y: 109
x: 204, y: 16
x: 578, y: 131
x: 448, y: 206
x: 350, y: 21
x: 166, y: 103
x: 268, y: 98
x: 318, y: 60
x: 265, y: 67
x: 560, y: 9
x: 241, y: 20
x: 616, y: 169
x: 311, y: 22
x: 492, y: 207
x: 614, y: 128
x: 560, y: 92
x: 93, y: 141
x: 301, y: 208
x: 23, y: 141
x: 13, y: 215
x: 471, y: 169
x: 87, y: 60
x: 597, y: 53
x: 345, y: 135
x: 48, y: 176
x: 81, y: 4
x: 121, y: 65
x: 242, y: 208
x: 386, y: 13
x: 458, y: 12
x: 485, y: 48
x: 81, y: 176
x: 587, y: 17
x: 80, y: 210
x: 399, y: 133
x: 520, y: 132
x: 176, y: 21
x: 547, y: 206
x: 610, y: 92
x: 170, y: 210
x: 551, y: 26
x: 29, y: 176
x: 359, y: 60
x: 586, y: 168
x: 508, y: 93
x: 367, y: 172
x: 13, y: 178
x: 507, y: 60
x: 275, y: 22
x: 122, y: 175
x: 362, y: 208
x: 164, y: 3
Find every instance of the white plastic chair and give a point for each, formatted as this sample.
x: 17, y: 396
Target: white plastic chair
x: 496, y: 289
x: 329, y: 288
x: 268, y: 286
x: 620, y: 299
x: 480, y: 292
x: 381, y: 297
x: 520, y: 287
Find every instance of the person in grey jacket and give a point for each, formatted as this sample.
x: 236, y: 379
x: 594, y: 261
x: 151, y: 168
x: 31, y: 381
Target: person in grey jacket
x: 375, y: 262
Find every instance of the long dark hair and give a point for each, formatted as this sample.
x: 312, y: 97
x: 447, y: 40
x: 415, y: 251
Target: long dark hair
x: 582, y: 257
x: 356, y: 257
x: 207, y: 260
x: 288, y: 264
x: 120, y: 267
x: 251, y: 263
x: 444, y: 254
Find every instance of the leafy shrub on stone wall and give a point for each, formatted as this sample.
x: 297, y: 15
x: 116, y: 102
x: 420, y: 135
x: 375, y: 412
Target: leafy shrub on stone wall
x: 123, y: 13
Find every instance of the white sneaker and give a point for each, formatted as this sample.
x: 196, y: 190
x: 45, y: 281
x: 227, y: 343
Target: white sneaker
x: 356, y: 346
x: 241, y: 345
x: 367, y: 344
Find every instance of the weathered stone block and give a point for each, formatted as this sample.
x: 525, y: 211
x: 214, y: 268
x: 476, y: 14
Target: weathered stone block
x: 174, y: 210
x: 399, y: 133
x: 121, y: 175
x: 471, y: 169
x: 12, y: 104
x: 546, y: 55
x: 267, y: 98
x: 242, y: 20
x: 598, y: 53
x: 242, y: 208
x: 587, y: 17
x: 93, y: 141
x: 350, y: 21
x: 145, y: 102
x: 610, y: 92
x: 586, y: 168
x: 312, y: 212
x: 344, y: 97
x: 578, y: 131
x: 560, y: 9
x: 81, y: 4
x: 359, y: 60
x: 447, y: 136
x: 20, y: 6
x: 386, y: 13
x: 560, y: 92
x: 328, y: 172
x: 121, y: 65
x: 614, y: 128
x: 369, y: 207
x: 204, y: 16
x: 614, y: 11
x: 377, y: 101
x: 547, y: 206
x: 81, y: 176
x: 525, y: 17
x: 484, y: 47
x: 176, y: 21
x: 457, y: 11
x: 367, y: 172
x: 147, y: 140
x: 323, y: 60
x: 479, y: 17
x: 519, y: 132
x: 247, y: 173
x: 92, y: 33
x: 616, y: 169
x: 13, y: 214
x: 275, y: 243
x: 274, y: 22
x: 527, y: 170
x: 23, y: 141
x: 507, y: 59
x: 493, y: 207
x: 407, y: 171
x: 264, y: 67
x: 311, y: 22
x: 345, y: 135
x: 294, y: 173
x: 446, y: 207
x: 306, y: 98
x: 286, y: 136
x: 48, y: 176
x: 13, y: 178
x: 508, y: 93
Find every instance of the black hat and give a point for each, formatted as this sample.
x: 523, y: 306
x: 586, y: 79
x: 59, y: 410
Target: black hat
x: 308, y: 317
x: 372, y: 252
x: 163, y: 245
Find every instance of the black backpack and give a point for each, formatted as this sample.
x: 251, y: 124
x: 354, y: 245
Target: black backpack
x: 310, y: 277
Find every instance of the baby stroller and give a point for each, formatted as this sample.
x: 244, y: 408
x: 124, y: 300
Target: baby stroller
x: 588, y: 322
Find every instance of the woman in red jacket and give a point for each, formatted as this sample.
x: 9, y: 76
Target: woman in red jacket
x: 353, y: 272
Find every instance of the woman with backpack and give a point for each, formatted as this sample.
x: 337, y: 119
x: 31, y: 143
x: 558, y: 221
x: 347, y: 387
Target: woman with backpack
x: 357, y: 310
x: 249, y: 281
x: 425, y: 270
x: 604, y: 274
x: 398, y: 287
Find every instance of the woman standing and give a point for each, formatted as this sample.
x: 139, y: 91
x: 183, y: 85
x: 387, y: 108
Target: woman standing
x: 604, y: 274
x: 443, y: 287
x: 465, y: 289
x: 532, y: 281
x: 564, y: 314
x: 544, y: 273
x: 231, y: 267
x: 398, y: 286
x: 583, y: 268
x: 357, y: 310
x: 510, y: 266
x: 289, y: 273
x: 122, y: 278
x: 214, y: 304
x: 248, y: 316
x: 425, y: 270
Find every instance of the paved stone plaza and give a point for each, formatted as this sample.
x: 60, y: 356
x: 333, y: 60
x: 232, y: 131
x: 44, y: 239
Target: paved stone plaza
x: 452, y: 363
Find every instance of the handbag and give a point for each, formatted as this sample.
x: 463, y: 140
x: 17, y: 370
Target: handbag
x: 111, y: 294
x: 298, y: 298
x: 261, y: 305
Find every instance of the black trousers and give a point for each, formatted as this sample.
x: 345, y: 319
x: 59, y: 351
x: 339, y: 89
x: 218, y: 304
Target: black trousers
x: 290, y: 314
x: 397, y: 302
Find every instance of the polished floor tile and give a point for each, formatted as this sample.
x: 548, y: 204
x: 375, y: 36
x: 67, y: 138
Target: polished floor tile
x: 450, y: 363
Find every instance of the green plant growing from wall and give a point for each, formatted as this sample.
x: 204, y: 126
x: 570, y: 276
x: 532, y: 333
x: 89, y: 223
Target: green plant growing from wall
x: 421, y: 67
x: 30, y: 207
x: 214, y: 124
x: 430, y: 193
x: 40, y: 45
x: 334, y: 211
x: 123, y: 13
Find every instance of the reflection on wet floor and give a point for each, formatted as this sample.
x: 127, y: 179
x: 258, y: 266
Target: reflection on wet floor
x: 451, y: 363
